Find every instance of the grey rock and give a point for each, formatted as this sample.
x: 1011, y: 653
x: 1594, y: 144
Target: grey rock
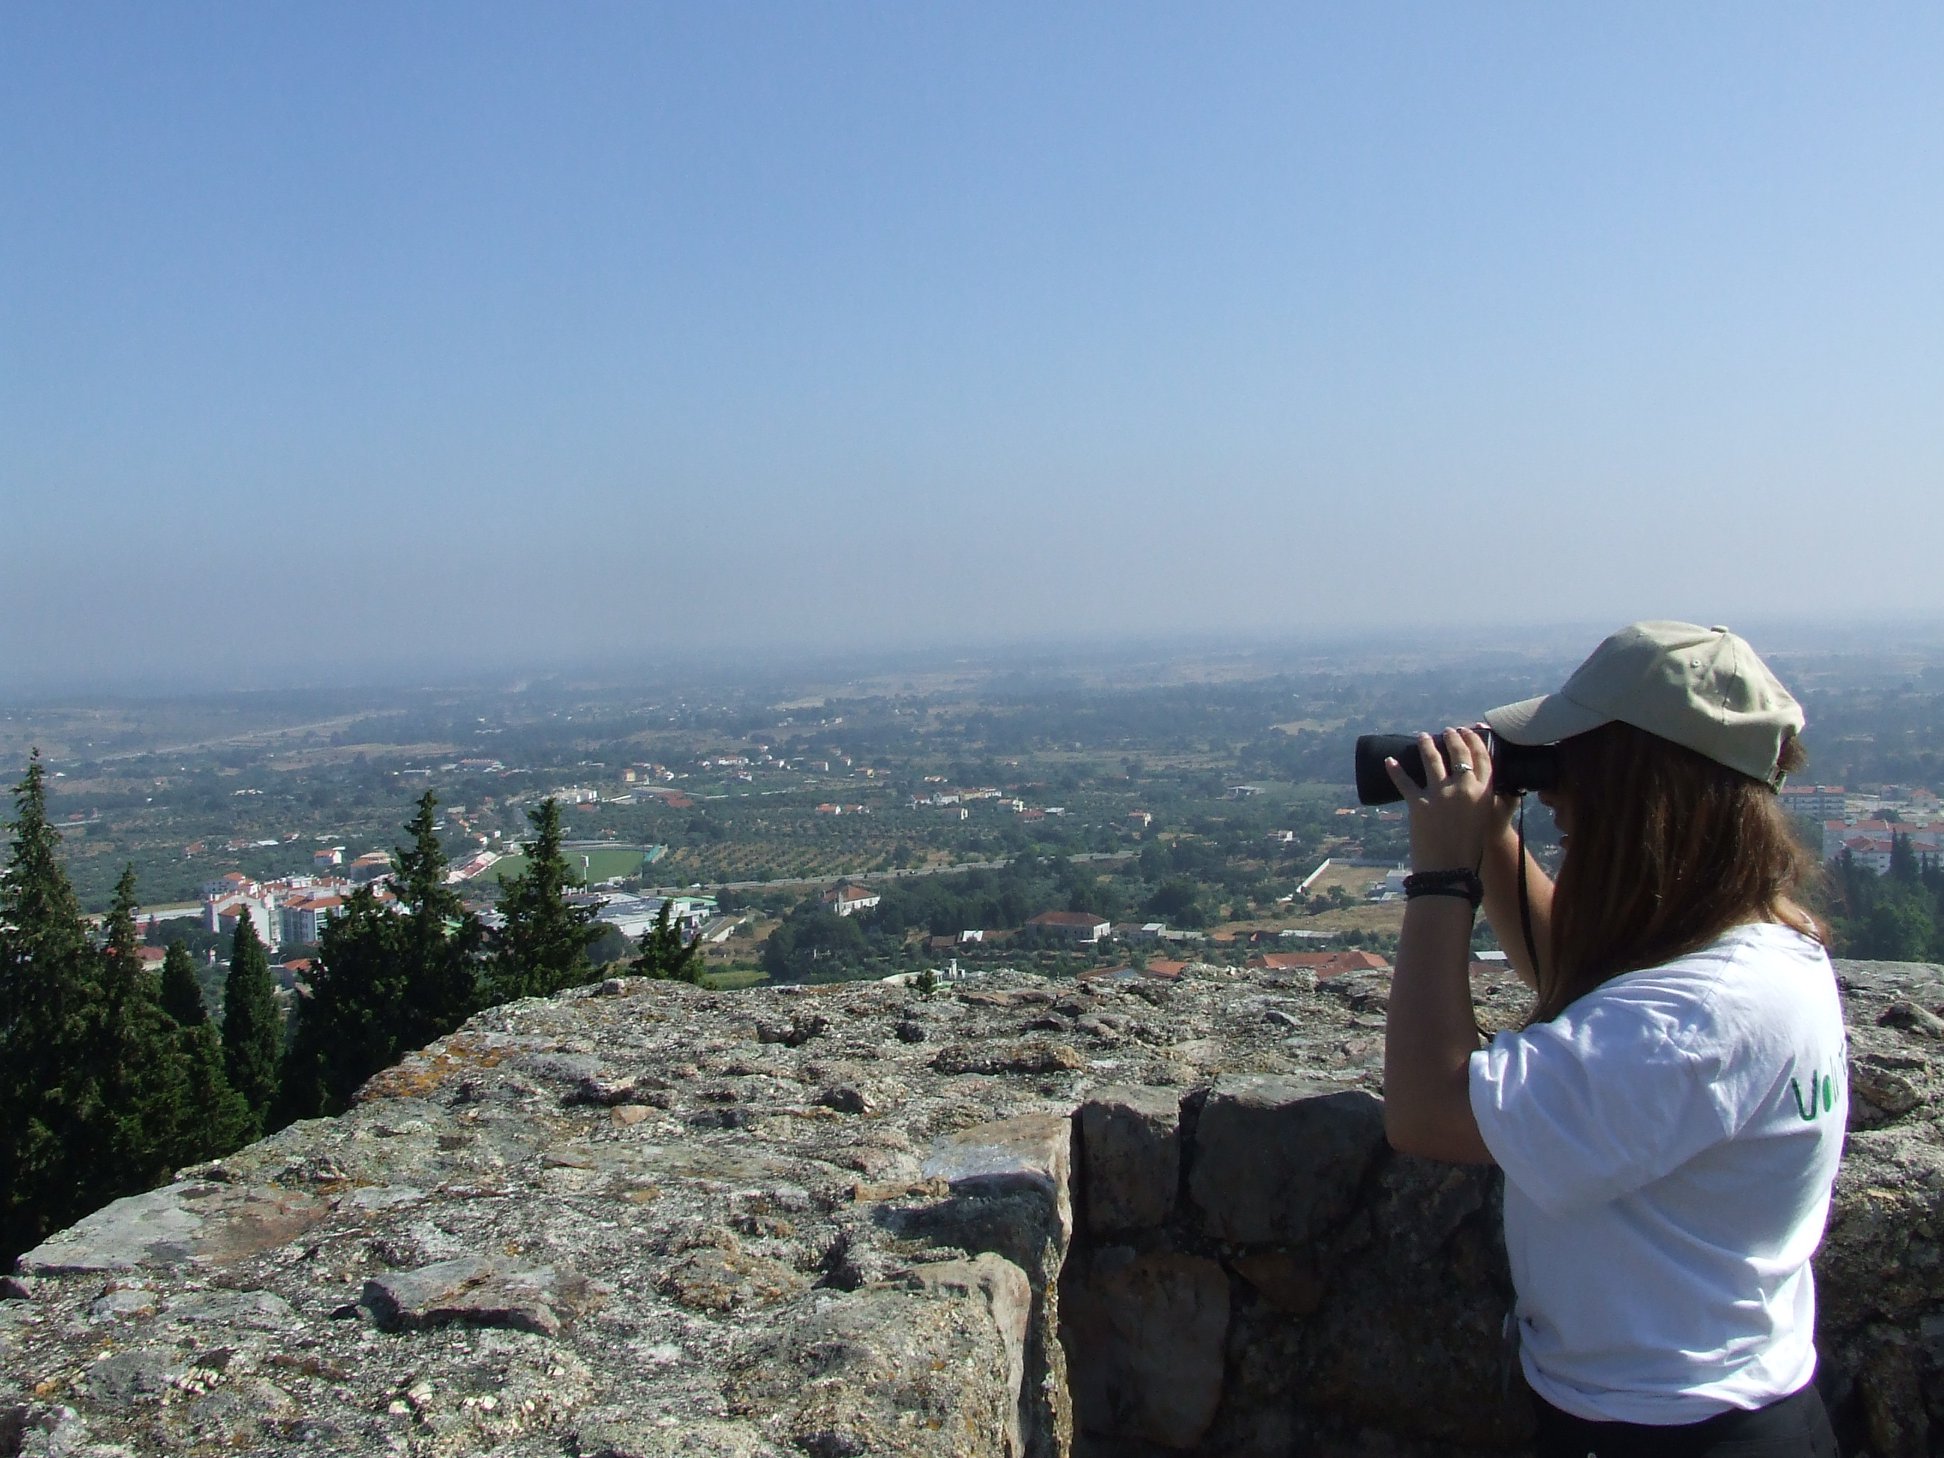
x: 175, y: 1225
x: 1279, y: 1159
x: 882, y: 1370
x: 625, y: 1436
x: 1008, y: 1299
x: 140, y: 1374
x: 1132, y: 1144
x: 1147, y: 1333
x: 1913, y: 1018
x: 242, y: 1310
x: 37, y: 1430
x: 1029, y: 1055
x: 799, y: 1030
x: 646, y: 1276
x: 479, y: 1291
x: 1033, y: 1152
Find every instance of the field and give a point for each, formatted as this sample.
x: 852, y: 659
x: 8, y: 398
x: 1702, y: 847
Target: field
x: 608, y: 863
x: 1357, y: 881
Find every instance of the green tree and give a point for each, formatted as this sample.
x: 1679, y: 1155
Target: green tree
x: 813, y: 941
x: 48, y: 1097
x: 385, y: 980
x: 182, y: 997
x: 252, y: 1032
x: 1177, y: 901
x: 218, y: 1120
x: 1903, y: 860
x: 137, y: 1061
x: 440, y: 941
x: 348, y: 1017
x: 664, y: 955
x: 542, y: 944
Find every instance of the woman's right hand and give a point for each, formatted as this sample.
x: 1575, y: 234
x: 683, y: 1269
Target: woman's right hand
x: 1454, y: 814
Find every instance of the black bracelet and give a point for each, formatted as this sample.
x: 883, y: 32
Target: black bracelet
x: 1461, y: 882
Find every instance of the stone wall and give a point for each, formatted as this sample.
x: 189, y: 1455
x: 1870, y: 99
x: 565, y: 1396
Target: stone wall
x: 1020, y: 1218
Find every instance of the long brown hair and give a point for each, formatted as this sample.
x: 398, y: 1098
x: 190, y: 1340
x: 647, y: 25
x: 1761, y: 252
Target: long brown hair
x: 1668, y: 849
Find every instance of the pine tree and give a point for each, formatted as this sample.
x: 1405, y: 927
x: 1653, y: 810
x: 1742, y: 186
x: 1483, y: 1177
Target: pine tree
x: 542, y: 947
x: 663, y: 953
x: 252, y: 1032
x: 47, y: 1095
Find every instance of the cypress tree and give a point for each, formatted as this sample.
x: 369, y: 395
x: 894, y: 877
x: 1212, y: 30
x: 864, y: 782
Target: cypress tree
x: 217, y: 1120
x: 348, y: 1018
x: 663, y: 953
x: 47, y: 1095
x: 542, y: 946
x: 182, y: 997
x: 251, y: 1031
x: 137, y: 1061
x: 385, y: 981
x: 441, y: 938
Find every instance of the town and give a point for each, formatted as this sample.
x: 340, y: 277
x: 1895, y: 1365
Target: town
x: 1093, y: 822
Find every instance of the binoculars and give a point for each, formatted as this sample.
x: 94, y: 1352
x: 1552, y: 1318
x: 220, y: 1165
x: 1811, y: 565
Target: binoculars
x: 1516, y: 768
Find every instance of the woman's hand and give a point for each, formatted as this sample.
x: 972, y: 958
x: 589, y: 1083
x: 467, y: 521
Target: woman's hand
x: 1454, y: 814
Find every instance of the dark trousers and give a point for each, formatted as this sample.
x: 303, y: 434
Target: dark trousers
x: 1794, y: 1427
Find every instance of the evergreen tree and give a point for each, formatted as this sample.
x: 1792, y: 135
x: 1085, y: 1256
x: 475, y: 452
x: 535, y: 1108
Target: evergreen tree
x: 349, y: 1018
x: 137, y: 1061
x: 47, y: 1095
x: 251, y: 1031
x: 1903, y: 860
x: 542, y: 946
x: 664, y: 955
x: 385, y: 981
x: 218, y: 1119
x: 182, y: 997
x: 441, y: 939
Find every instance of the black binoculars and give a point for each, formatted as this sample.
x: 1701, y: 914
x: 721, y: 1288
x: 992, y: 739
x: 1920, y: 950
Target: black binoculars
x: 1516, y: 768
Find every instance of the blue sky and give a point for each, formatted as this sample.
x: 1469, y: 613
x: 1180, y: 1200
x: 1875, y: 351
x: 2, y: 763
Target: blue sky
x: 440, y: 335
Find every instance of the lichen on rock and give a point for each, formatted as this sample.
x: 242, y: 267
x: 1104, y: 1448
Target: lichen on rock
x: 1021, y: 1219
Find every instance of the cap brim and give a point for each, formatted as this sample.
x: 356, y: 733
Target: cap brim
x: 1544, y: 720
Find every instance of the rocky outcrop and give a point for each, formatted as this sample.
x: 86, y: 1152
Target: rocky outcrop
x: 1016, y: 1218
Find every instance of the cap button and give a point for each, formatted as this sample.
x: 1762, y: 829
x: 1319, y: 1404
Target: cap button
x: 1718, y: 628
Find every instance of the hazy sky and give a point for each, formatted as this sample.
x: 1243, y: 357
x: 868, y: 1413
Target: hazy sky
x: 470, y: 333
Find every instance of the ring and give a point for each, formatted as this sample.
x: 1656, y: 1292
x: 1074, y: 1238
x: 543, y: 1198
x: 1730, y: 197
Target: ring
x: 1461, y: 768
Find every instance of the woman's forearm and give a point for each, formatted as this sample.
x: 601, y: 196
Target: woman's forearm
x: 1430, y: 1034
x: 1500, y: 872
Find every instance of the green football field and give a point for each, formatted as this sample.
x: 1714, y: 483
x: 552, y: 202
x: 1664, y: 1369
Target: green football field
x: 589, y: 865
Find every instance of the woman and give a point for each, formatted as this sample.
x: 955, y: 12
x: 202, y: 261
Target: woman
x: 1670, y: 1119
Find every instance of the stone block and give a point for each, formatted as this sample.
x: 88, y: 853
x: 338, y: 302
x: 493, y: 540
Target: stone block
x: 1291, y: 1284
x: 1008, y: 1297
x: 1031, y: 1154
x: 1280, y: 1160
x: 476, y: 1291
x: 1130, y: 1153
x: 189, y: 1221
x: 1145, y: 1337
x: 920, y: 1366
x: 1414, y: 1352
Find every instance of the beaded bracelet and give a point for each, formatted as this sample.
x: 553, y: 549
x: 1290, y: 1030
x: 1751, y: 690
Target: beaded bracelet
x: 1462, y: 882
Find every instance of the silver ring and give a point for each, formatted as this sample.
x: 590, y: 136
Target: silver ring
x: 1461, y: 768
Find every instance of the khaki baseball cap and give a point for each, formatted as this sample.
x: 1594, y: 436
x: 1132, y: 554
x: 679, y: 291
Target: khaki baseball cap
x: 1700, y: 687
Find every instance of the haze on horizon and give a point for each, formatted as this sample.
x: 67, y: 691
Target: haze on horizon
x: 350, y: 338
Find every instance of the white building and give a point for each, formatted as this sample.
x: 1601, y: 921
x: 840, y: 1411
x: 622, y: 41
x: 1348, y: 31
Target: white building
x: 850, y: 898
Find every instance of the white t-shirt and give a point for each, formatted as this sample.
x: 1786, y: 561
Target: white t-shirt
x: 1669, y: 1142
